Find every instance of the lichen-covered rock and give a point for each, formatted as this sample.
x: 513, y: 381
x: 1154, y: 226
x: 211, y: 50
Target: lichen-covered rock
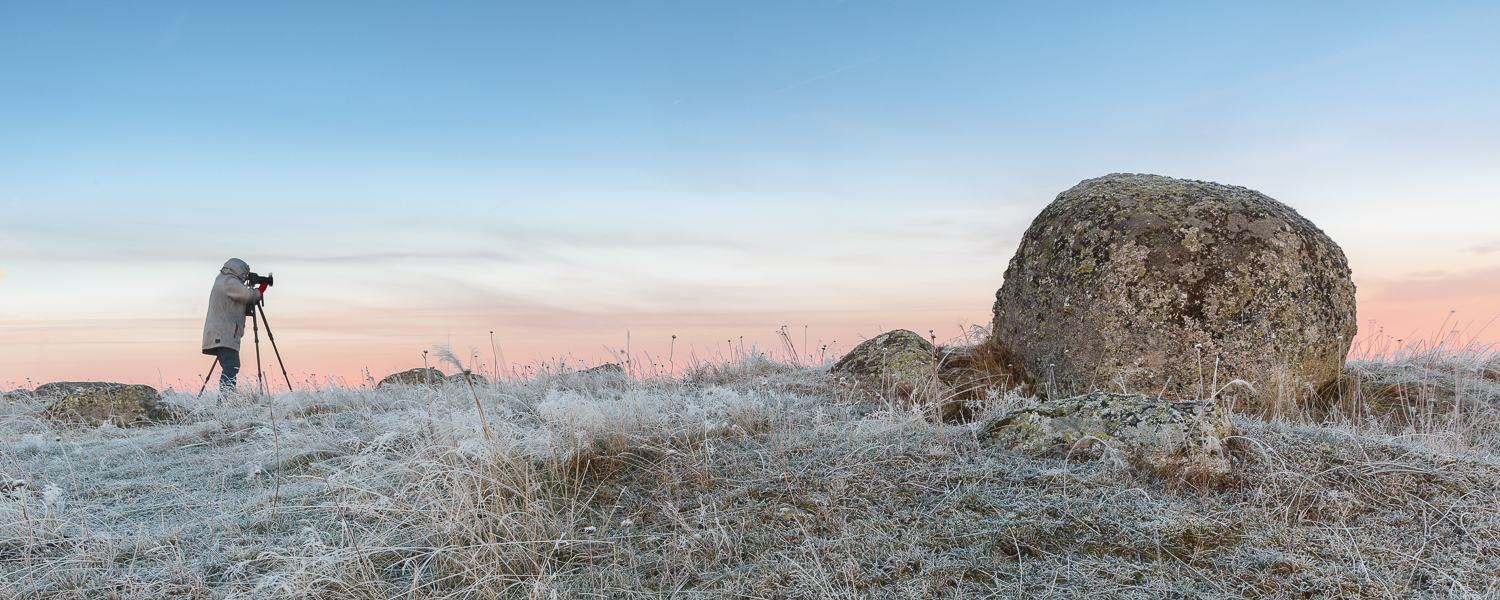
x: 418, y: 376
x: 458, y: 379
x: 1167, y: 439
x: 96, y: 402
x: 605, y: 369
x: 899, y: 358
x: 1140, y: 281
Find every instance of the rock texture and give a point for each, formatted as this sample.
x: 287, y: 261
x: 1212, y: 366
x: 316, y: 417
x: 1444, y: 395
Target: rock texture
x: 899, y: 365
x: 418, y: 376
x: 605, y: 369
x: 899, y: 359
x: 97, y: 402
x: 1139, y: 281
x: 1167, y: 439
x: 458, y: 379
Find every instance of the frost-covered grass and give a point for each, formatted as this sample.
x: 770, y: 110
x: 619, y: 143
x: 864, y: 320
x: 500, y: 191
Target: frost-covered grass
x: 747, y: 479
x: 1444, y: 392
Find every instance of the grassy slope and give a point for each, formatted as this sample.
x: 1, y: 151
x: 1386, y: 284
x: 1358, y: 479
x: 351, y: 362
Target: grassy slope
x: 752, y: 479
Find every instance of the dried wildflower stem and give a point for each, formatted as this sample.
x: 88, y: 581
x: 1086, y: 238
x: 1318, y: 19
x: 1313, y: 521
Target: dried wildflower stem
x: 937, y: 393
x: 483, y: 423
x: 276, y: 443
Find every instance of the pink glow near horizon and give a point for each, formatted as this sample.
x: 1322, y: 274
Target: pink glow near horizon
x: 165, y: 353
x: 162, y: 352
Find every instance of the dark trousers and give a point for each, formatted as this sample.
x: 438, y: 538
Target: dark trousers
x: 229, y: 367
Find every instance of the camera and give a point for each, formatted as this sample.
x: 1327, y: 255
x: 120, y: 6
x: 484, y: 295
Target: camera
x: 257, y: 279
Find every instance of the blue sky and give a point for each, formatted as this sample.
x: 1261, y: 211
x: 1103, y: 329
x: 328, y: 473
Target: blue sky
x: 562, y: 172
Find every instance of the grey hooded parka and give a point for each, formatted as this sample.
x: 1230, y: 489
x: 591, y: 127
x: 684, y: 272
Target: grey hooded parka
x: 226, y: 307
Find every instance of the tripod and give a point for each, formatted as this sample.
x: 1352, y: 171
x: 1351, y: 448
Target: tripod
x: 257, y: 317
x: 269, y: 336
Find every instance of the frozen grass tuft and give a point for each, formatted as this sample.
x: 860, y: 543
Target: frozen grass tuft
x: 751, y: 478
x: 1444, y: 393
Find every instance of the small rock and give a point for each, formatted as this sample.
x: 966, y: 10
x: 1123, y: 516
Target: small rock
x: 899, y: 363
x: 899, y: 357
x: 896, y: 364
x: 606, y: 368
x: 1166, y: 439
x: 300, y: 461
x: 97, y: 402
x: 458, y: 379
x: 418, y: 376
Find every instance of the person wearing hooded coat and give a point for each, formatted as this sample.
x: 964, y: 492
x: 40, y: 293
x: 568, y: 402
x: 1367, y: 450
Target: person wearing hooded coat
x: 227, y: 308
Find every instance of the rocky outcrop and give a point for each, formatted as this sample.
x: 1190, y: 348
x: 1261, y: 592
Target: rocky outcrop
x: 1165, y: 439
x: 94, y: 403
x: 1144, y: 282
x: 418, y: 376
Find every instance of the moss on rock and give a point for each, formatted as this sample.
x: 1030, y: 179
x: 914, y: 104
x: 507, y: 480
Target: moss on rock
x: 458, y: 379
x: 900, y: 361
x: 896, y: 356
x: 97, y: 402
x: 1146, y: 282
x: 1156, y: 436
x: 418, y: 376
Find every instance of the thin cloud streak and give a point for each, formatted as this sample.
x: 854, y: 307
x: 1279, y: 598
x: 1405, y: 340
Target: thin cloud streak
x: 833, y: 72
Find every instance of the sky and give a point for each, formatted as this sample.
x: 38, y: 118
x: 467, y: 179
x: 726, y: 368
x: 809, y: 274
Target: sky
x: 583, y: 179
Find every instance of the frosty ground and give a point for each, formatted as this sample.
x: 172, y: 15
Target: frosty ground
x: 751, y: 478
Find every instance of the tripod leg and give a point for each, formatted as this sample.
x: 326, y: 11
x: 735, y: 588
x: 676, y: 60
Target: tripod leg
x: 272, y: 337
x: 260, y: 374
x: 210, y: 376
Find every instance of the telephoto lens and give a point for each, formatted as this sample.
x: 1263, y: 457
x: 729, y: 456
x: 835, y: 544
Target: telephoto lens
x: 256, y: 279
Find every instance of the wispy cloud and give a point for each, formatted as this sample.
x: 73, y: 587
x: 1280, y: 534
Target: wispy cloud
x: 1486, y: 247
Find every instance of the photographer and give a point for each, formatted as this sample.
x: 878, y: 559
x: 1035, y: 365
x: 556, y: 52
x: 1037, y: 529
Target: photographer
x: 228, y: 305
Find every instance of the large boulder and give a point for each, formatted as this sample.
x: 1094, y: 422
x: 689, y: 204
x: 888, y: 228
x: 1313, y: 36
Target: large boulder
x: 1149, y: 283
x: 1165, y: 439
x: 418, y: 376
x: 94, y: 402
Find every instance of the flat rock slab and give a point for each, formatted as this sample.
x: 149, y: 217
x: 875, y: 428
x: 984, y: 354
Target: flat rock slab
x: 1156, y: 436
x: 97, y: 402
